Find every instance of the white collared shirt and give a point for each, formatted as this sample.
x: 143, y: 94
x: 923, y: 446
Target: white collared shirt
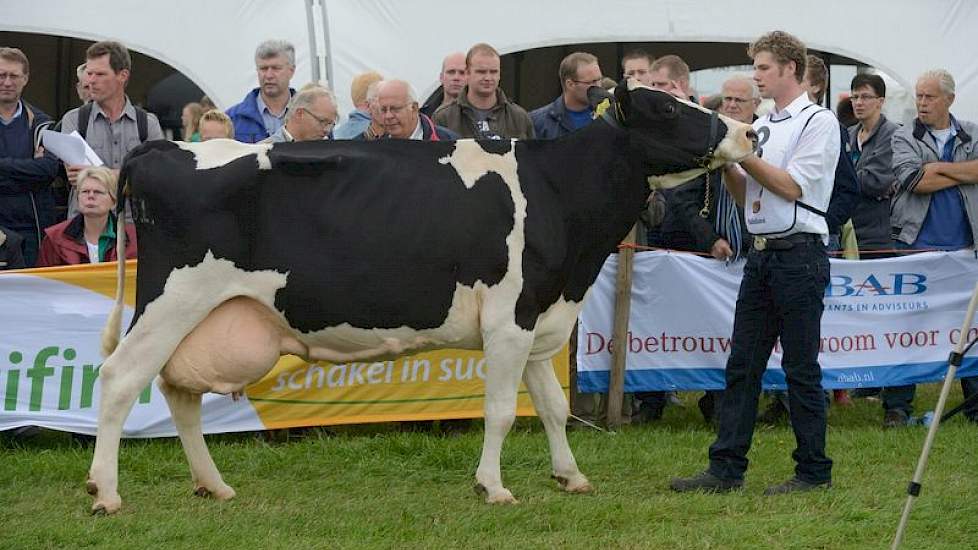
x: 418, y: 132
x: 802, y: 139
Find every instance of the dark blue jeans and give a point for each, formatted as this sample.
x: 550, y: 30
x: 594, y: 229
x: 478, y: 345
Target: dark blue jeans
x: 780, y: 296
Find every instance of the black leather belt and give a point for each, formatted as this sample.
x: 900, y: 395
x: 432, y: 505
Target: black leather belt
x: 785, y: 243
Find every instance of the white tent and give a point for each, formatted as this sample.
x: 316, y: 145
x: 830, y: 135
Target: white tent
x: 213, y: 42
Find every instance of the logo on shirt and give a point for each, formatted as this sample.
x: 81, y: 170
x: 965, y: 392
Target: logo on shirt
x: 763, y: 134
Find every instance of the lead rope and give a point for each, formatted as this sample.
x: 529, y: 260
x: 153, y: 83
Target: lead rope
x: 705, y: 163
x: 705, y: 211
x: 589, y: 424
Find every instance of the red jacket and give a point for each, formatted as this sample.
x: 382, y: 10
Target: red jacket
x: 64, y: 244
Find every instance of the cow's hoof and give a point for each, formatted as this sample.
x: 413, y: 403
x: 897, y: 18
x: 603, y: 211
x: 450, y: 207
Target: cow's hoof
x: 223, y: 492
x: 105, y: 506
x: 577, y: 484
x: 503, y: 496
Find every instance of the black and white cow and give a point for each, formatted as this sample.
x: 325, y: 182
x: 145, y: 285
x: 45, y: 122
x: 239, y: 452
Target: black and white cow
x: 344, y: 251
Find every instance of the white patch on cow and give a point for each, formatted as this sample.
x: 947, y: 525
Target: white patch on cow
x: 735, y: 146
x: 554, y: 327
x: 471, y: 162
x: 218, y: 152
x: 668, y: 181
x: 192, y: 292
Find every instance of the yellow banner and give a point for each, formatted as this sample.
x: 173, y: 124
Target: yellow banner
x: 434, y: 385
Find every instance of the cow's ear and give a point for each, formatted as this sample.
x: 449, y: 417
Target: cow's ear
x: 623, y: 98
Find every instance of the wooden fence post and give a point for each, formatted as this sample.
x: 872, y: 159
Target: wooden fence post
x: 619, y: 347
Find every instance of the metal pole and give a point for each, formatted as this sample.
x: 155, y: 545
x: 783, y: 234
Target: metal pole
x: 619, y: 345
x: 913, y: 490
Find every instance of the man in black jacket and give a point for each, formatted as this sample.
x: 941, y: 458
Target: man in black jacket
x: 26, y: 198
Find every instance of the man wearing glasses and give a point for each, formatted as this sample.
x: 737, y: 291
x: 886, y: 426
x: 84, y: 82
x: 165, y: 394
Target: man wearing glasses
x: 571, y: 110
x: 869, y: 147
x: 396, y: 110
x: 310, y: 116
x: 26, y: 199
x: 871, y: 153
x: 740, y: 99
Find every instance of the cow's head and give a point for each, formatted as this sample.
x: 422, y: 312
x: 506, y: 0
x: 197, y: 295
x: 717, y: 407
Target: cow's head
x: 677, y: 140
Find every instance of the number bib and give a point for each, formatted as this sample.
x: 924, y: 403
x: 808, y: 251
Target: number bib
x: 765, y: 213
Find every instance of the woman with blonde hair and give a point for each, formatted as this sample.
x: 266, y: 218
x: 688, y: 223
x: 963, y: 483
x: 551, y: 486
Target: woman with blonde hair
x: 90, y: 236
x: 215, y: 124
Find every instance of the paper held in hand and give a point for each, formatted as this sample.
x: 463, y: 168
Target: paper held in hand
x: 70, y: 148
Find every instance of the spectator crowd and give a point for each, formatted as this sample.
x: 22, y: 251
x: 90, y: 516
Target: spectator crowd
x: 896, y: 189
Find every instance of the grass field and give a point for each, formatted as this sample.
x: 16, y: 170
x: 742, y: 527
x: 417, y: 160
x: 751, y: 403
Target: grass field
x: 380, y: 487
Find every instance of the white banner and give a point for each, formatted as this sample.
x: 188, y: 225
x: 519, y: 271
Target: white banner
x: 50, y: 331
x: 887, y: 322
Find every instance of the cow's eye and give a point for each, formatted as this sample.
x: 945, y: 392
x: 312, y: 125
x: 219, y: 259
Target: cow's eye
x: 669, y: 110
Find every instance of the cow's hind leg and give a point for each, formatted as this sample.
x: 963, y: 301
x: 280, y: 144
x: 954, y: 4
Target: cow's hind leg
x: 185, y: 409
x: 551, y: 406
x: 122, y: 377
x: 506, y: 352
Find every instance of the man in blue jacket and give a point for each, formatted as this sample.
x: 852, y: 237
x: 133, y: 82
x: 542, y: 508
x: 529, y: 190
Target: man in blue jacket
x: 570, y: 111
x: 262, y: 112
x: 26, y: 199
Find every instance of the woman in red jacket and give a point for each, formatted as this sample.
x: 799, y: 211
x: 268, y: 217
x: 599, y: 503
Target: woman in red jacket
x: 90, y: 236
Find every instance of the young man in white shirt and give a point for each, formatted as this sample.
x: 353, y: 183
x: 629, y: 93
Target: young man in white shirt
x: 785, y: 193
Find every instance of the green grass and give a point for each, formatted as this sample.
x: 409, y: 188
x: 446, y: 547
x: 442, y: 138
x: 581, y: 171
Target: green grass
x: 379, y: 487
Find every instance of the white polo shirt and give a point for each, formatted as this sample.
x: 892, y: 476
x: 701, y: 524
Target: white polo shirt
x: 802, y: 139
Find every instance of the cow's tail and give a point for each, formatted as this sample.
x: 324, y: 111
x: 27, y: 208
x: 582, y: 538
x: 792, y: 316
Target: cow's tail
x: 110, y: 334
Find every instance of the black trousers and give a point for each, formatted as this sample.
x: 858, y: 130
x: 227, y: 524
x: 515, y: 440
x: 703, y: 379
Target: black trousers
x: 780, y: 297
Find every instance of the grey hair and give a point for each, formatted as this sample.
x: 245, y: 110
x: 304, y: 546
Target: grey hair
x: 754, y: 92
x: 306, y: 97
x: 80, y: 71
x: 944, y: 79
x: 412, y: 95
x: 273, y: 48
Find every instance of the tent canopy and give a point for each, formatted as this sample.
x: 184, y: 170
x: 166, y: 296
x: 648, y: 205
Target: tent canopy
x: 213, y: 42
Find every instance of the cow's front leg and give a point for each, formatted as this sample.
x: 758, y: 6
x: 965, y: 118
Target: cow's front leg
x: 506, y: 352
x: 551, y: 406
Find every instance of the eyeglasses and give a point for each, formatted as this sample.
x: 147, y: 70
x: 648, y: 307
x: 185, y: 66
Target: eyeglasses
x: 14, y: 77
x: 863, y: 97
x: 392, y: 109
x: 595, y: 82
x: 324, y: 122
x: 737, y: 100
